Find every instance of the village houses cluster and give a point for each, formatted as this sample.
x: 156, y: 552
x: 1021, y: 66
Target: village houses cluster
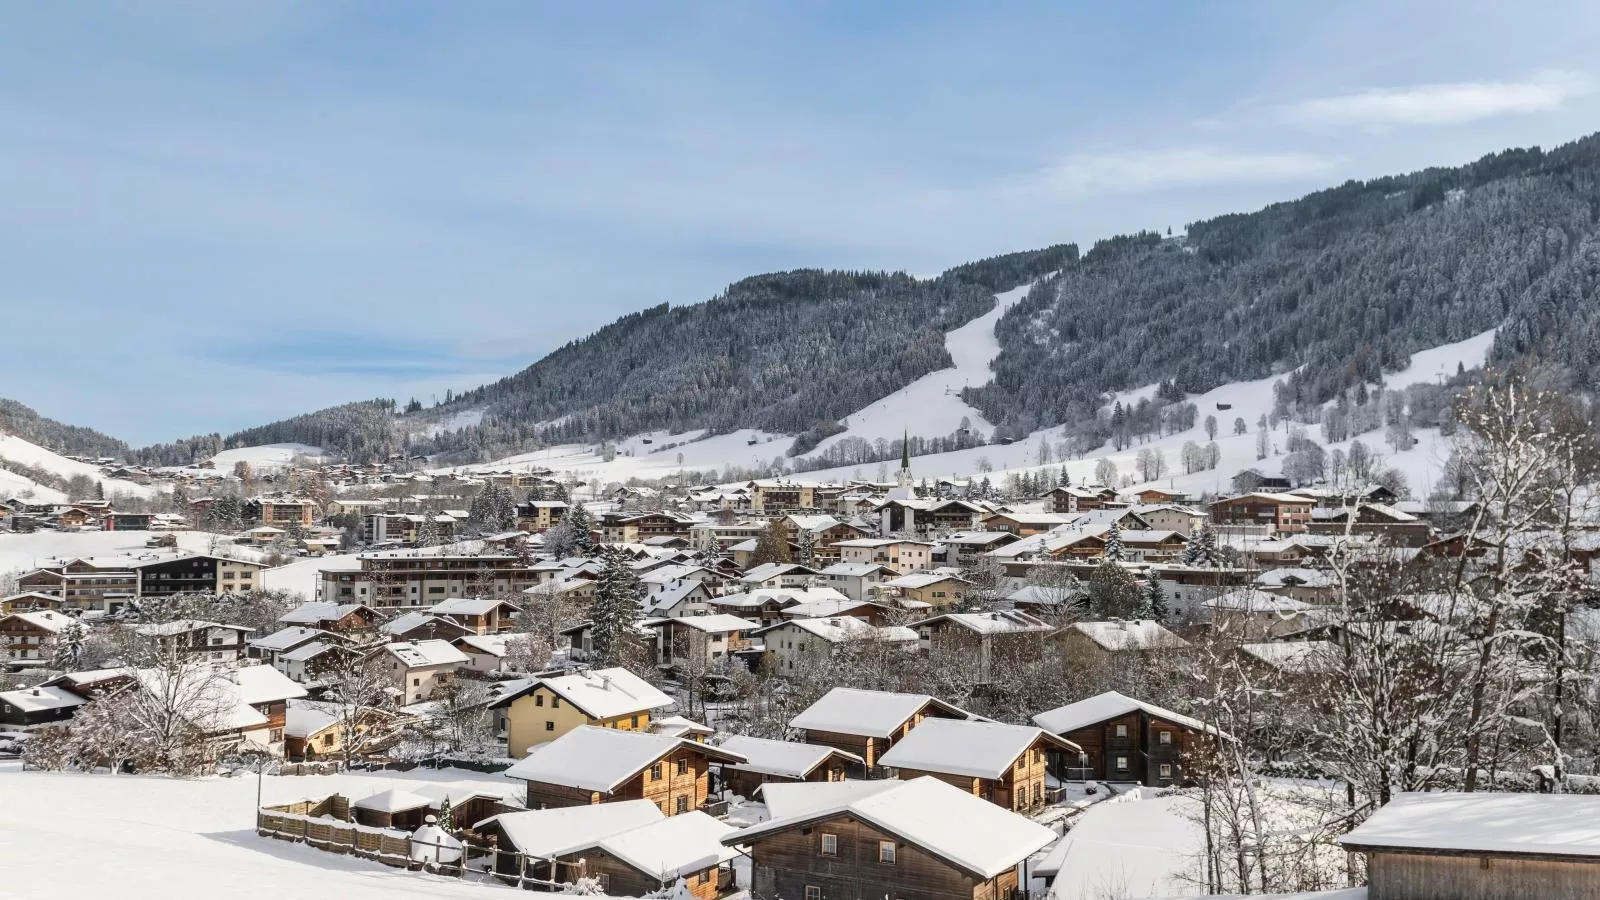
x: 622, y: 778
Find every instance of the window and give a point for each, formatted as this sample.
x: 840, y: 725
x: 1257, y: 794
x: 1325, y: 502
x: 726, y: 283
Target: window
x: 655, y: 772
x: 416, y: 682
x: 813, y: 892
x: 1166, y: 770
x: 886, y: 852
x: 705, y: 876
x: 274, y: 735
x: 1122, y: 764
x: 633, y: 722
x: 327, y: 740
x: 683, y: 804
x: 538, y: 699
x: 683, y: 767
x: 549, y: 725
x: 604, y: 880
x: 555, y: 702
x: 830, y: 844
x: 1164, y: 737
x: 1122, y: 731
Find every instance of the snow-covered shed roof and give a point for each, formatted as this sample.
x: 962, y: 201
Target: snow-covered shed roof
x: 1295, y: 657
x: 601, y: 759
x: 1106, y: 706
x: 681, y: 845
x: 785, y: 759
x: 304, y: 718
x: 1141, y: 634
x: 678, y: 726
x: 999, y: 622
x: 1545, y: 824
x: 966, y: 831
x: 393, y: 800
x: 964, y: 747
x: 866, y: 713
x: 1251, y: 600
x: 545, y: 833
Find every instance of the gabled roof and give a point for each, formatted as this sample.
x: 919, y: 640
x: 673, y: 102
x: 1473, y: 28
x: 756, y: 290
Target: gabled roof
x: 1142, y: 634
x: 602, y: 759
x: 785, y: 759
x: 673, y: 847
x: 41, y: 698
x: 469, y: 606
x: 999, y: 622
x: 867, y: 713
x: 286, y: 638
x: 918, y: 580
x: 417, y: 654
x: 786, y: 800
x: 42, y: 619
x: 720, y: 623
x: 412, y: 620
x: 966, y: 831
x: 185, y: 626
x: 1544, y: 824
x: 963, y: 747
x: 393, y: 800
x: 316, y: 612
x: 597, y: 693
x: 543, y: 833
x: 1107, y: 706
x: 1251, y: 600
x: 857, y: 570
x: 769, y: 571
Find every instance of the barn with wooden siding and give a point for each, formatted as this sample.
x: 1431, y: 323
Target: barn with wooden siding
x: 1479, y: 846
x: 920, y: 838
x: 868, y: 723
x: 600, y: 765
x: 782, y: 761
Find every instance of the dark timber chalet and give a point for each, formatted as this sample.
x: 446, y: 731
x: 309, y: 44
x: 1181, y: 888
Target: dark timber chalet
x: 591, y: 765
x: 897, y: 839
x: 1122, y: 739
x: 868, y: 723
x: 1481, y: 846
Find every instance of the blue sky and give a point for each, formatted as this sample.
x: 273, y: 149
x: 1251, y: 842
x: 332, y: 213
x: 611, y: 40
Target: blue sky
x: 217, y: 214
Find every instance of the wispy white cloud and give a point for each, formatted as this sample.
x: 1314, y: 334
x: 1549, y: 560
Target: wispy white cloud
x: 1152, y: 170
x: 1442, y: 104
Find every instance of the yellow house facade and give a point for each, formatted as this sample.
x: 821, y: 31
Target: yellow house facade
x: 550, y: 707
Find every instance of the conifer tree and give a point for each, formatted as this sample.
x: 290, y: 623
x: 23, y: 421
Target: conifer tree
x: 1114, y: 550
x: 615, y: 609
x: 1152, y: 597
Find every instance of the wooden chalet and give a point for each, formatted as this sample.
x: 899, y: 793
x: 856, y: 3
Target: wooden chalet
x: 591, y: 765
x: 857, y: 839
x: 479, y: 615
x: 1121, y: 739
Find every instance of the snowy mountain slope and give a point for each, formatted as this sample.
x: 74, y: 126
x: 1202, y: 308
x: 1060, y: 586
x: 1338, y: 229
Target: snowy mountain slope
x: 264, y: 456
x: 18, y: 450
x: 932, y: 406
x: 14, y: 485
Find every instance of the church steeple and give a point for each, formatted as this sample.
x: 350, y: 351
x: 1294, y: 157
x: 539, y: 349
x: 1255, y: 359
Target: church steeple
x: 903, y: 477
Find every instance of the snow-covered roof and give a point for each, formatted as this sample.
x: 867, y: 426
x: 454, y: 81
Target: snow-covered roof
x: 856, y: 570
x: 1547, y: 824
x: 918, y: 580
x: 316, y: 612
x: 407, y: 621
x: 950, y: 823
x: 601, y: 759
x: 964, y: 747
x: 607, y: 693
x: 830, y: 606
x: 1102, y: 707
x: 222, y: 700
x: 1251, y: 600
x: 866, y: 713
x: 999, y: 622
x: 681, y: 845
x: 496, y: 645
x: 785, y: 759
x: 719, y: 623
x: 1141, y: 634
x: 43, y: 619
x: 1295, y: 657
x: 393, y: 800
x: 544, y: 833
x: 284, y: 638
x: 306, y: 652
x: 41, y: 698
x: 183, y: 626
x: 468, y: 606
x: 769, y: 571
x: 835, y: 629
x: 417, y: 654
x: 1293, y: 577
x: 678, y: 726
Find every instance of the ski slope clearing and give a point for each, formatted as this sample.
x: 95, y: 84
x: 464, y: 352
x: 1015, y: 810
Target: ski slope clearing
x: 932, y: 406
x: 145, y: 838
x: 25, y: 552
x: 659, y: 458
x: 18, y: 450
x: 14, y: 485
x: 265, y: 456
x: 1131, y: 847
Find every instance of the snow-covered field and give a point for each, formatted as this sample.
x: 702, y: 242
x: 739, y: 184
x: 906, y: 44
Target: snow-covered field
x: 1131, y: 847
x: 23, y: 552
x: 265, y: 456
x: 18, y: 450
x: 138, y: 838
x: 300, y: 577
